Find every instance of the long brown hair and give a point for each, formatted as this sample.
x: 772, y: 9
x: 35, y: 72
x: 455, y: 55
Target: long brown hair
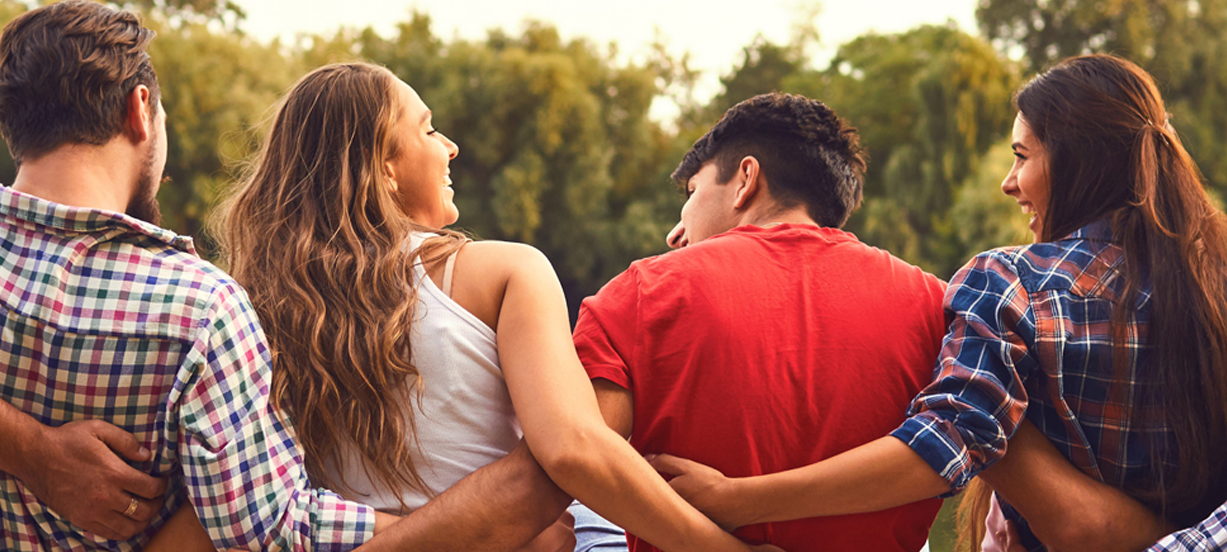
x: 1112, y: 155
x: 315, y: 236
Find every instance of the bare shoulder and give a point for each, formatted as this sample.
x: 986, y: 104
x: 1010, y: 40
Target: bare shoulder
x: 484, y: 269
x: 502, y: 258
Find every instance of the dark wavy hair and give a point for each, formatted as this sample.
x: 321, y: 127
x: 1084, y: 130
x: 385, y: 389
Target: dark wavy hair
x: 65, y: 71
x: 807, y: 154
x: 316, y: 237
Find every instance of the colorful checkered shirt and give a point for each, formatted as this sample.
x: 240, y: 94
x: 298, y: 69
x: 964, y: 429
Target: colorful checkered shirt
x: 1207, y: 536
x: 1029, y: 336
x: 107, y: 317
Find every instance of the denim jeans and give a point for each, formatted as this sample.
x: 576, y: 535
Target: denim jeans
x: 594, y: 533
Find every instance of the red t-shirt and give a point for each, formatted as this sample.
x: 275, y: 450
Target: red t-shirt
x: 765, y: 349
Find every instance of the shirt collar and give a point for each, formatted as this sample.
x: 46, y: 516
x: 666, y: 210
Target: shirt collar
x: 76, y: 219
x: 1100, y: 230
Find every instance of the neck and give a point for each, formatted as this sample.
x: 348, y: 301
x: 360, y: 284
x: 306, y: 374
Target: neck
x: 91, y: 177
x: 796, y: 215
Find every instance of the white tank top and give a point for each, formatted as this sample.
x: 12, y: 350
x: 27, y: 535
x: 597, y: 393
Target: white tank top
x: 464, y: 418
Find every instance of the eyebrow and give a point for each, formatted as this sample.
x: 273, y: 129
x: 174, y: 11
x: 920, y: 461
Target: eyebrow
x: 1017, y: 145
x: 426, y: 115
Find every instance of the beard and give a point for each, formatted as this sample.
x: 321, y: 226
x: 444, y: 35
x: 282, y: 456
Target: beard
x: 144, y: 202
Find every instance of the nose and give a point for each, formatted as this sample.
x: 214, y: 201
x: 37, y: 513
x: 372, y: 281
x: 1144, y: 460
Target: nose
x: 1009, y: 186
x: 677, y: 237
x: 452, y: 149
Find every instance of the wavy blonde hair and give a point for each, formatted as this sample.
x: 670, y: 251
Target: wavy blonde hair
x: 315, y: 235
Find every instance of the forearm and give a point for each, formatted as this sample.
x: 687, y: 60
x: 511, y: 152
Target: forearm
x: 502, y: 506
x: 564, y: 428
x: 17, y: 432
x: 878, y: 475
x: 604, y: 472
x: 1065, y: 508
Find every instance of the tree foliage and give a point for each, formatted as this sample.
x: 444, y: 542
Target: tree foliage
x: 558, y: 148
x: 1183, y: 43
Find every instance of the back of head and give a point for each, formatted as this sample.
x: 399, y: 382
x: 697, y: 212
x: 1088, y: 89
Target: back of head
x: 65, y: 71
x: 317, y: 239
x: 808, y: 156
x: 1112, y: 155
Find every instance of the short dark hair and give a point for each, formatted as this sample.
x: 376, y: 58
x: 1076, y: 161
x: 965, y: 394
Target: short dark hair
x: 65, y: 71
x: 807, y: 154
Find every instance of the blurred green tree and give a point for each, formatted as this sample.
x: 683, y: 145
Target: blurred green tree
x: 1183, y: 43
x: 217, y: 87
x: 929, y: 103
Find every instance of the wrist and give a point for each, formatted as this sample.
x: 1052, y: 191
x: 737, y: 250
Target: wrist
x: 739, y: 493
x: 24, y: 447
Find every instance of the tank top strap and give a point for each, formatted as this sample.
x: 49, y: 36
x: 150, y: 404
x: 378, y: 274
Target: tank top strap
x: 449, y: 267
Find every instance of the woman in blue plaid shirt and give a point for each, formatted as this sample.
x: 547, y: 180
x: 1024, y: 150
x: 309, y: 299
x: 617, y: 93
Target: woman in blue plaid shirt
x: 1108, y: 335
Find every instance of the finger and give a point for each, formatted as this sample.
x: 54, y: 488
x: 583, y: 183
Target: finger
x: 103, y: 531
x: 146, y: 509
x: 568, y: 544
x: 125, y: 526
x: 140, y: 483
x: 672, y: 465
x: 120, y: 441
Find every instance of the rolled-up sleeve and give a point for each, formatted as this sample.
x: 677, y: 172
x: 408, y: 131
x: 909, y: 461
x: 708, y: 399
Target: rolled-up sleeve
x: 242, y: 466
x: 960, y: 423
x: 1208, y: 536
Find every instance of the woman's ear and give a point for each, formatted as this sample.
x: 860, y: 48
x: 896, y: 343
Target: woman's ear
x: 390, y: 173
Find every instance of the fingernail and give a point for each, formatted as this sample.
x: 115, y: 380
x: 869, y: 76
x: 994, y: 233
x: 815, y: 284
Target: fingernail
x: 143, y: 451
x: 649, y: 457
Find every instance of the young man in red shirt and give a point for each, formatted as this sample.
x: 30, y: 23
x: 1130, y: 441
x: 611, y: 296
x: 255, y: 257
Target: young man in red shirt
x: 773, y: 339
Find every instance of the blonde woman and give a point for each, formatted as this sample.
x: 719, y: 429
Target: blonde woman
x: 406, y: 356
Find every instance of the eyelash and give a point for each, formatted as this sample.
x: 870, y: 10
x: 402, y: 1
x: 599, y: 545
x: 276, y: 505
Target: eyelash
x: 1020, y: 156
x: 432, y: 132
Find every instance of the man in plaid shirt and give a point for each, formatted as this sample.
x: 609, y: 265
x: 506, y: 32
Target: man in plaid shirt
x: 107, y: 316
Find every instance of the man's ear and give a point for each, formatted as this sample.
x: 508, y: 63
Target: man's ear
x: 747, y: 182
x: 139, y: 114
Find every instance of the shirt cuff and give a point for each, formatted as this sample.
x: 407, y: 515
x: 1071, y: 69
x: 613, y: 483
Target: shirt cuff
x: 937, y: 442
x: 616, y: 374
x: 342, y: 525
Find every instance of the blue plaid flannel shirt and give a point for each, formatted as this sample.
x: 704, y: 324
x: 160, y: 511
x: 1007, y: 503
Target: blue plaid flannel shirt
x: 1029, y: 336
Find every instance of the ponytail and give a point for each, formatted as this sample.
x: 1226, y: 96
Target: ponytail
x: 1112, y: 155
x: 1173, y: 236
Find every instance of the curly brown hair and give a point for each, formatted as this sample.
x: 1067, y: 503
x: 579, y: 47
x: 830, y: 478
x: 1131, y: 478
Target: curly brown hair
x: 808, y: 155
x: 315, y: 236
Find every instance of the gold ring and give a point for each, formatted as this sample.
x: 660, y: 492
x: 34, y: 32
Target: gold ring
x: 131, y: 508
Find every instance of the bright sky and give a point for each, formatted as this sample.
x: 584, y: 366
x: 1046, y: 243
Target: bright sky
x: 713, y: 31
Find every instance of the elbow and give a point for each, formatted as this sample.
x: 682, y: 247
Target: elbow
x: 572, y: 456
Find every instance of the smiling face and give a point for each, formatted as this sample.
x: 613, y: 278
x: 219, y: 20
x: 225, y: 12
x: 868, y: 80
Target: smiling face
x: 1028, y: 181
x: 418, y: 167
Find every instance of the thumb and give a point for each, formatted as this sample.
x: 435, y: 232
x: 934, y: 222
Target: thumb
x: 669, y: 464
x: 122, y: 442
